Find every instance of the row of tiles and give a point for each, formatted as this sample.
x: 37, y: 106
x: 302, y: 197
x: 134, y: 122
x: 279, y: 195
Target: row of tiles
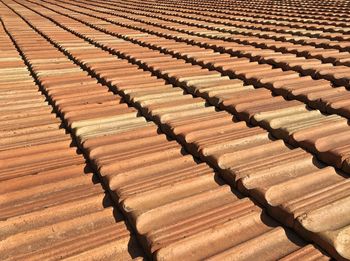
x: 314, y: 32
x: 322, y: 88
x: 239, y: 7
x: 155, y: 106
x: 52, y: 206
x: 223, y: 24
x: 201, y: 183
x: 258, y: 8
x: 322, y: 95
x: 295, y: 7
x: 325, y: 50
x: 318, y: 62
x: 298, y: 130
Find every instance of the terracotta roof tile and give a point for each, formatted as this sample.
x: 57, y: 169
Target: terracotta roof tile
x: 213, y: 126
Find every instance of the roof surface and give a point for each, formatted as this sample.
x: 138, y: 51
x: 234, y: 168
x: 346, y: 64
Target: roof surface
x: 174, y: 130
